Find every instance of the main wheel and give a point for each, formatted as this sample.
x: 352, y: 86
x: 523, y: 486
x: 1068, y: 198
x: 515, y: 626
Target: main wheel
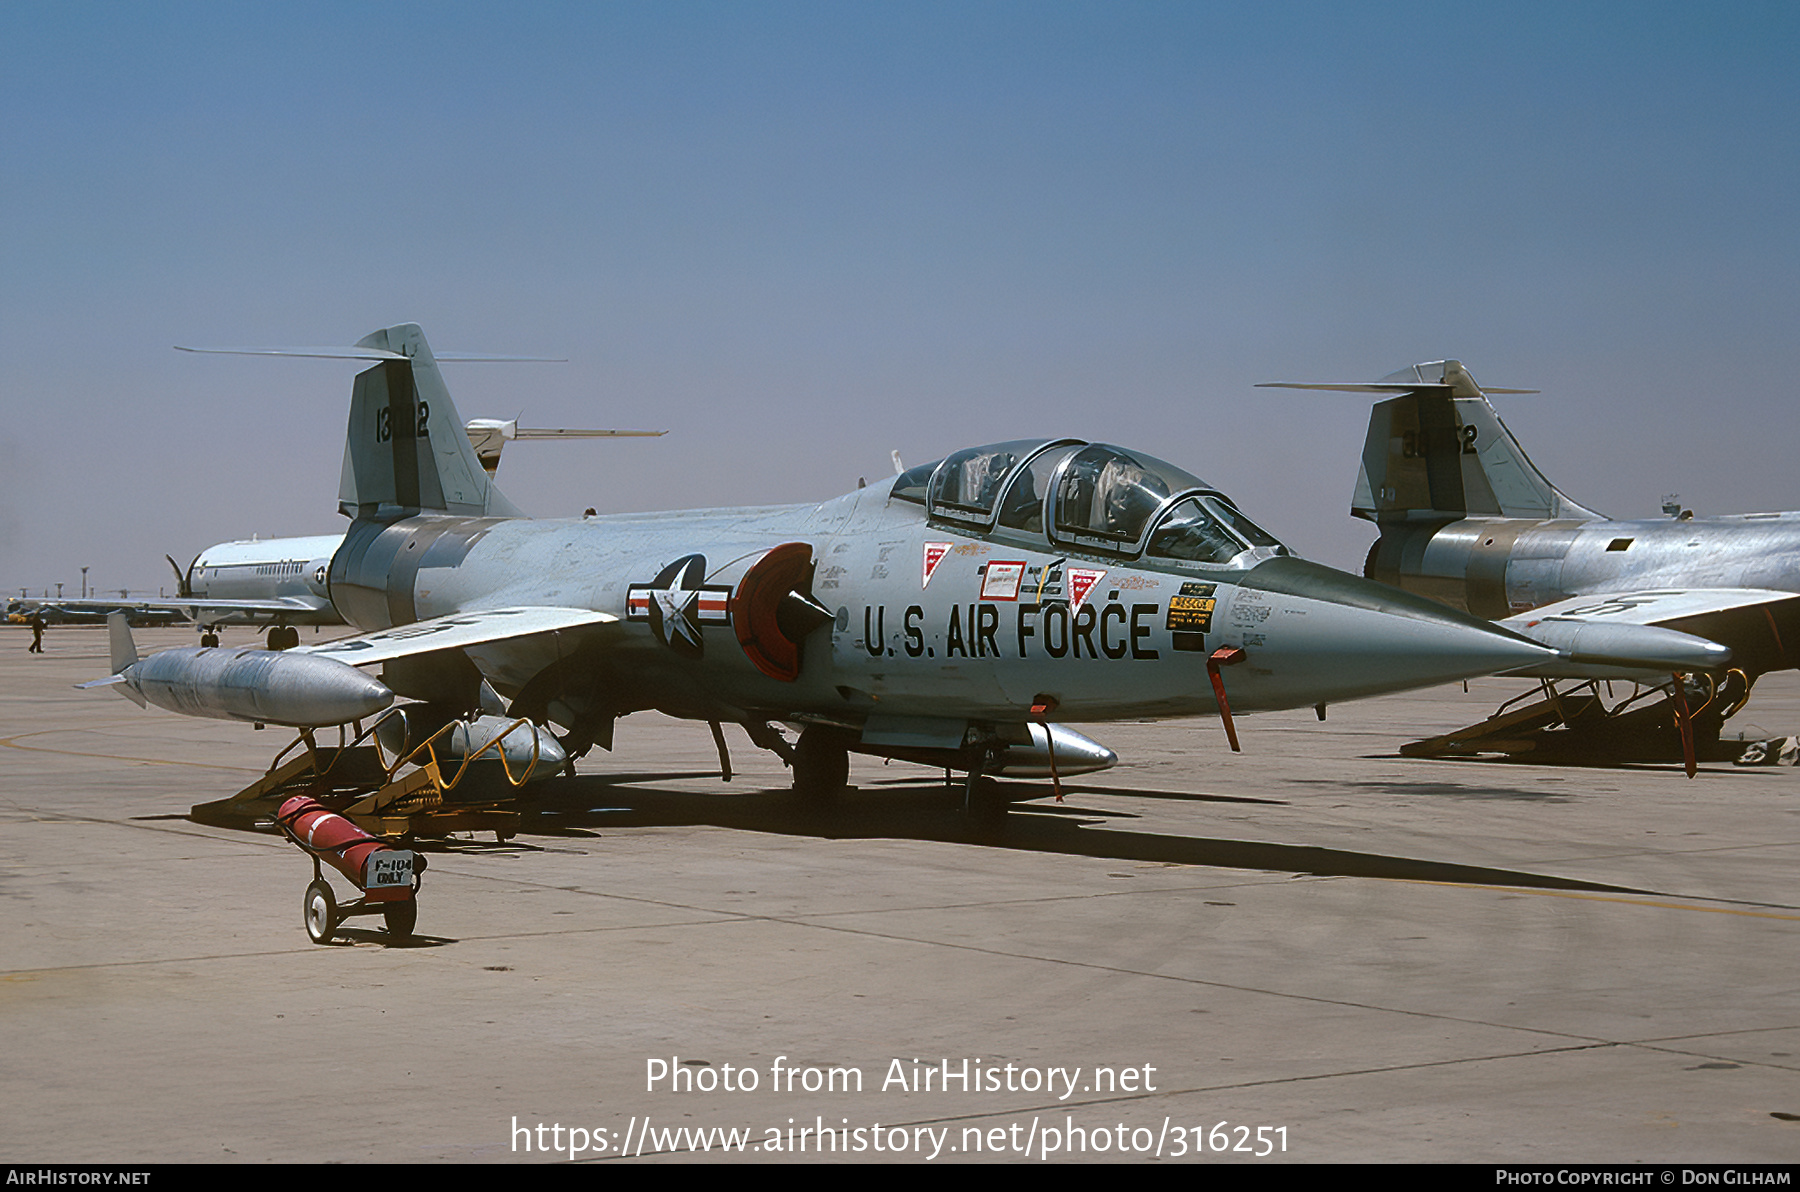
x: 988, y: 801
x: 320, y: 911
x: 400, y: 917
x: 821, y: 763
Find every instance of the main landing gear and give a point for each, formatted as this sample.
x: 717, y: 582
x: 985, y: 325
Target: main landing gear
x: 821, y: 762
x: 280, y: 637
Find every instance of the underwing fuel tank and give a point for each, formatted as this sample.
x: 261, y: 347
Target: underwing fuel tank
x: 1019, y: 750
x: 406, y: 729
x: 260, y: 686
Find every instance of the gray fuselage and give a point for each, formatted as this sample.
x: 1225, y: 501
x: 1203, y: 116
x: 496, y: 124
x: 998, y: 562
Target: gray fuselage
x: 927, y: 619
x: 1499, y: 567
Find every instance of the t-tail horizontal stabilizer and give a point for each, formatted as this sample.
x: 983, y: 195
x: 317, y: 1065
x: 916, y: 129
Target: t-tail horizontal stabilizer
x: 489, y: 436
x: 1439, y: 452
x: 406, y: 449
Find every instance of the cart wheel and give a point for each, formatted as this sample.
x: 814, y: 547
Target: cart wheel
x: 320, y: 912
x: 400, y: 917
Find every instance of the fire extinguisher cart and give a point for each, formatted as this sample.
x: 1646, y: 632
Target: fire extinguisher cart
x: 387, y: 878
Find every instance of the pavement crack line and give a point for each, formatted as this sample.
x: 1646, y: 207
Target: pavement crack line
x: 1586, y: 1040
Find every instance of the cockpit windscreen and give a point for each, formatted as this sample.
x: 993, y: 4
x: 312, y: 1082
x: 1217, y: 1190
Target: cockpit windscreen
x: 911, y: 484
x: 1246, y: 529
x: 1207, y: 530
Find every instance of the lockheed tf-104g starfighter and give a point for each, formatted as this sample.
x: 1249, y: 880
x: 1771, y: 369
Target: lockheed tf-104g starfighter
x: 1467, y: 519
x: 960, y: 614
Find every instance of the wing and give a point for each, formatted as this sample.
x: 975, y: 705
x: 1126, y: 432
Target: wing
x: 192, y: 607
x: 1625, y: 634
x: 454, y: 632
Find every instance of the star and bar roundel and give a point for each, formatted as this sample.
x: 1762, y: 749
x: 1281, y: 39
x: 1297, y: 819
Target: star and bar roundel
x: 677, y: 603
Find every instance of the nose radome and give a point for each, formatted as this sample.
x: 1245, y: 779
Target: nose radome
x: 1368, y: 638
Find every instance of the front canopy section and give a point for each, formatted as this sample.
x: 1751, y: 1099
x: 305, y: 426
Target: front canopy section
x: 1209, y: 529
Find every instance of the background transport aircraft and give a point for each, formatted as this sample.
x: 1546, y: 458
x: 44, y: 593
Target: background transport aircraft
x: 940, y: 616
x: 1467, y: 520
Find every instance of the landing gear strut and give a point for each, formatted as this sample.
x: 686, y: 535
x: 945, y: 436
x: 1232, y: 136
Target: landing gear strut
x: 981, y: 794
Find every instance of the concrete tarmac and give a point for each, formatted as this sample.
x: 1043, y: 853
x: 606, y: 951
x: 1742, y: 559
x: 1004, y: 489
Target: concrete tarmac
x: 1315, y: 948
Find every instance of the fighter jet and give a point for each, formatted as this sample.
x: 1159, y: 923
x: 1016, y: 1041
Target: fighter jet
x: 1467, y: 520
x: 945, y: 615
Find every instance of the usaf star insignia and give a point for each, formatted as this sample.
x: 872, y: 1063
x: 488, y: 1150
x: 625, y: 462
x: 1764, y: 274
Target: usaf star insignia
x: 677, y: 603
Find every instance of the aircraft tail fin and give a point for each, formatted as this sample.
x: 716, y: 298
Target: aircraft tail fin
x: 124, y: 654
x: 118, y: 640
x: 1438, y: 451
x: 406, y: 447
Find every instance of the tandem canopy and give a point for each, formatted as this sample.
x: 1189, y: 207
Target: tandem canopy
x: 1085, y: 496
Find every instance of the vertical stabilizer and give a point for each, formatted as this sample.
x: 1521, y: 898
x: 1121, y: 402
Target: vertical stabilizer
x: 118, y: 638
x: 1439, y: 452
x: 124, y: 655
x: 405, y: 448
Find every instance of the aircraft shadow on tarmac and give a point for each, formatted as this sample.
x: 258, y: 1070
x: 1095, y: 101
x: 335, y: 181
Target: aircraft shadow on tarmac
x: 1446, y: 790
x: 929, y: 811
x: 1565, y: 760
x: 1021, y: 791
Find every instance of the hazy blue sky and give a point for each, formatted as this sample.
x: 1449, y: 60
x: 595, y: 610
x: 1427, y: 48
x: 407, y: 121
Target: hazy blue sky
x: 803, y: 235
